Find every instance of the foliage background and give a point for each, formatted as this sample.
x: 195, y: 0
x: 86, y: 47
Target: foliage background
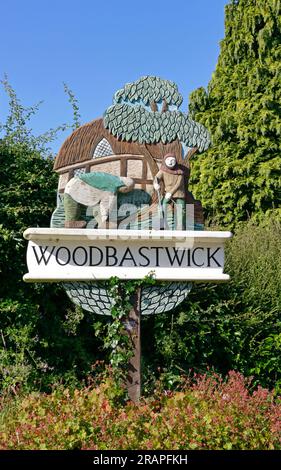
x: 45, y: 340
x: 239, y: 177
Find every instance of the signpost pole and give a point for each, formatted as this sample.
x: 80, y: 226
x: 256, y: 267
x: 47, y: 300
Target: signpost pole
x: 133, y: 327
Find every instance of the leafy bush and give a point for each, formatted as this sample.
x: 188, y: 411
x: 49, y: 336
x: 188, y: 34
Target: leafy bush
x: 37, y: 344
x: 208, y: 413
x: 253, y: 258
x: 225, y: 326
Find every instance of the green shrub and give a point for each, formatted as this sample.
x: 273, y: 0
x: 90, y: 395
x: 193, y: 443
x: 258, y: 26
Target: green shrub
x: 235, y: 325
x: 253, y: 258
x: 37, y: 344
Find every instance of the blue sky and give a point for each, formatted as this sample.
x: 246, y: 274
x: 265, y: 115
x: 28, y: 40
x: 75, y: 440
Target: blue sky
x: 97, y: 46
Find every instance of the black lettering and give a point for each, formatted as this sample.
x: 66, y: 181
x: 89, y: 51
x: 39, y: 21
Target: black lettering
x: 212, y: 257
x: 188, y: 257
x: 91, y: 256
x: 85, y: 256
x: 43, y: 251
x: 113, y: 255
x: 156, y: 248
x: 128, y: 257
x: 193, y: 257
x: 172, y: 260
x: 68, y: 255
x: 144, y: 256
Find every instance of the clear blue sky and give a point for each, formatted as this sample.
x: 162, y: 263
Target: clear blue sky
x: 97, y: 46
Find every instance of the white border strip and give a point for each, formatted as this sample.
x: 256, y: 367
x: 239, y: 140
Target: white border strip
x: 57, y: 234
x: 167, y: 274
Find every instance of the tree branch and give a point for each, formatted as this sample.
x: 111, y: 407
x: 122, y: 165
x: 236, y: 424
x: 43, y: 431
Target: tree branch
x: 189, y: 155
x: 164, y: 106
x: 153, y: 106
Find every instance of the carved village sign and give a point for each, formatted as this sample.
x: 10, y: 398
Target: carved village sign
x: 124, y: 209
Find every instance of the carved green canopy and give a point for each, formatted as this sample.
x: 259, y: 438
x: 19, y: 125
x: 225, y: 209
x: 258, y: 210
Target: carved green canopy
x: 149, y: 89
x: 130, y: 119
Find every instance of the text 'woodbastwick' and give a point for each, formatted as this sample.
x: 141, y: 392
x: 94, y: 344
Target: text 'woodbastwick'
x: 143, y: 256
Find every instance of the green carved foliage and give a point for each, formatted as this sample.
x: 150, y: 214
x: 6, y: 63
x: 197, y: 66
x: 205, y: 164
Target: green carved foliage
x: 240, y: 176
x: 149, y: 89
x: 135, y: 123
x: 129, y: 119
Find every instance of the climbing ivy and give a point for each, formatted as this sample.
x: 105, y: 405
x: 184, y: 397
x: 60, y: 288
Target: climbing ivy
x: 116, y: 339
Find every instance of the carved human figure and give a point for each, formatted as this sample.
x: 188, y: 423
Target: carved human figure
x: 90, y: 189
x: 175, y: 181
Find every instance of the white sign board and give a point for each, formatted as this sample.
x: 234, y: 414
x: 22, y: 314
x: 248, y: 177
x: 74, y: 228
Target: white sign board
x: 90, y: 254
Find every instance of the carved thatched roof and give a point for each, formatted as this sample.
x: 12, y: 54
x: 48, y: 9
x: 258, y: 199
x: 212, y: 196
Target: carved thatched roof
x: 80, y: 145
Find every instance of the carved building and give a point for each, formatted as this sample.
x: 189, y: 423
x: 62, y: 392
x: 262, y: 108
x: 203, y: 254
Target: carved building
x: 92, y: 148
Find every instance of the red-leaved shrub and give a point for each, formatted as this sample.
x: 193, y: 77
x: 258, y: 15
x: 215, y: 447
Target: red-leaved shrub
x: 208, y: 413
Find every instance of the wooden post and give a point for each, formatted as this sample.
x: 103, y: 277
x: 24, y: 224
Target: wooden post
x: 133, y: 327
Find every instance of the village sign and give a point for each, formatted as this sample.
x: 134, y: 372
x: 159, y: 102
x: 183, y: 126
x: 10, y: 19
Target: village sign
x: 124, y: 209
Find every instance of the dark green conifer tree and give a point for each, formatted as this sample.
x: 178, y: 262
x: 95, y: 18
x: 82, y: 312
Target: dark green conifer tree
x: 240, y: 176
